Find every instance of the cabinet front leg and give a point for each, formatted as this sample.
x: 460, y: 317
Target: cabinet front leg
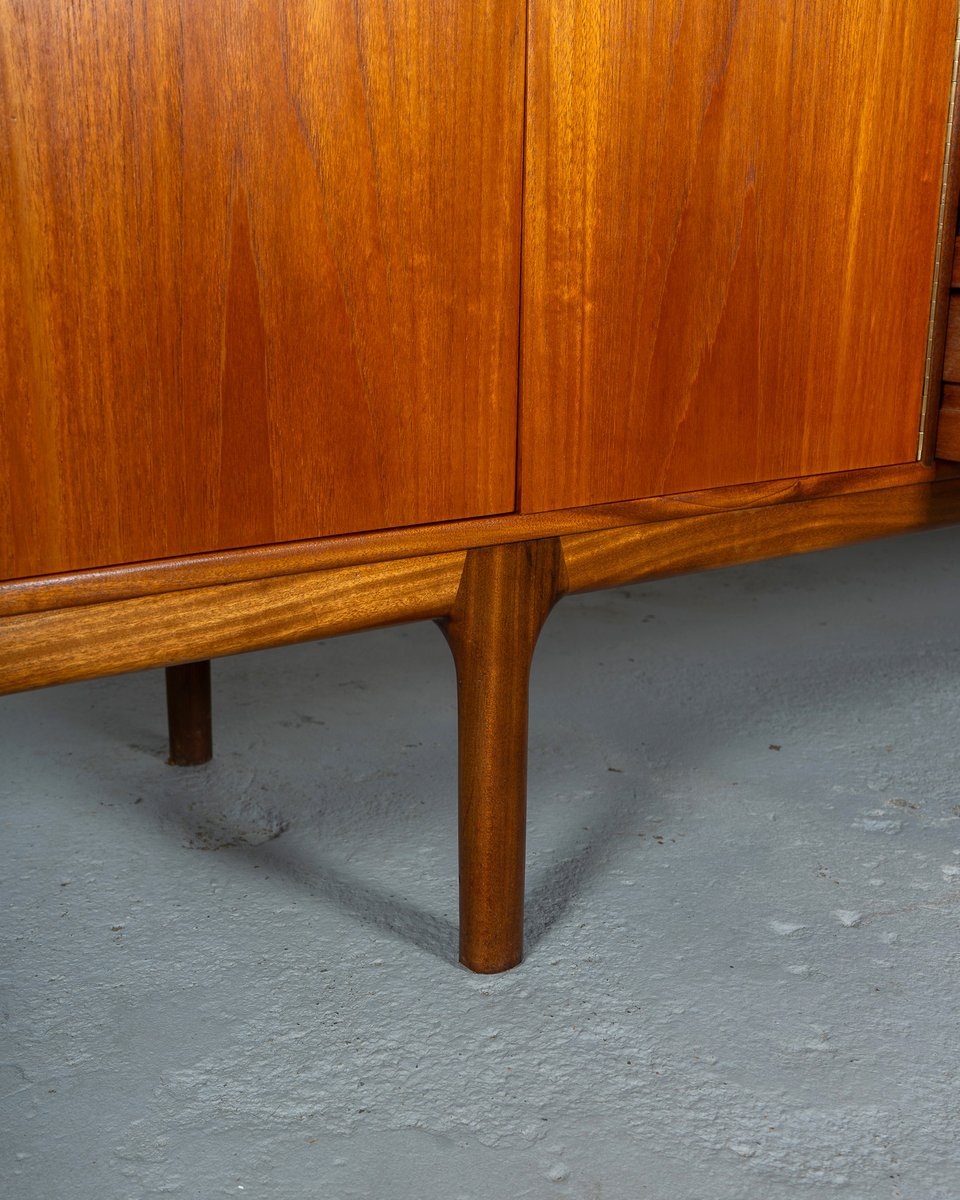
x: 505, y: 595
x: 189, y: 714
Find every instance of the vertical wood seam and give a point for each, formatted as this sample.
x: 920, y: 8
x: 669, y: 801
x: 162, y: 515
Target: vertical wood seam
x: 939, y: 298
x: 518, y: 424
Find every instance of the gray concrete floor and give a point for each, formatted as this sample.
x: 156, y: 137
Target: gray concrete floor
x: 743, y: 883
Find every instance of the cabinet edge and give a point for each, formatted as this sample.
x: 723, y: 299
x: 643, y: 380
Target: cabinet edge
x: 38, y: 649
x: 943, y: 271
x: 172, y: 575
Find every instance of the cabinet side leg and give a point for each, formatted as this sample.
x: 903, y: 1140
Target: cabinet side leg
x: 189, y: 714
x: 505, y: 595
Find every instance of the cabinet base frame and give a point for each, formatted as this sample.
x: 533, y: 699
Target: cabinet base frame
x: 491, y: 602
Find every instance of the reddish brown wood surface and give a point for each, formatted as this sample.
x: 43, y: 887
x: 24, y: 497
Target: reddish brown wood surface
x: 259, y: 272
x: 505, y: 595
x: 730, y: 224
x: 944, y: 271
x: 238, y: 566
x: 613, y: 557
x: 951, y: 356
x: 948, y: 427
x: 63, y: 645
x: 189, y: 714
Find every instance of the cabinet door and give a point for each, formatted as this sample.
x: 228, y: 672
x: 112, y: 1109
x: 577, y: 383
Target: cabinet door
x: 731, y: 214
x: 259, y: 271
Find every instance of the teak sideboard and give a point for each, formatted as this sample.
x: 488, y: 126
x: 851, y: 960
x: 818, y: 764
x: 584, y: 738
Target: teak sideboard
x: 321, y: 315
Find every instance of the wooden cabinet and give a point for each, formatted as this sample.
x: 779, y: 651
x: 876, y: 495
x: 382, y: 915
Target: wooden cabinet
x: 321, y: 316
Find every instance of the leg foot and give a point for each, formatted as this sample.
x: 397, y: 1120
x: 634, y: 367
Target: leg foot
x: 189, y: 714
x: 505, y: 595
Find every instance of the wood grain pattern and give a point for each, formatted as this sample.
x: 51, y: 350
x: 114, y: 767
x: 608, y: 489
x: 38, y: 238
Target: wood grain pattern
x: 730, y: 223
x: 259, y: 272
x: 40, y: 649
x: 943, y: 275
x: 505, y: 596
x: 238, y: 566
x: 614, y: 557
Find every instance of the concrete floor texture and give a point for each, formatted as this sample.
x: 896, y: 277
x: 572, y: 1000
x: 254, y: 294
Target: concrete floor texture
x: 743, y: 885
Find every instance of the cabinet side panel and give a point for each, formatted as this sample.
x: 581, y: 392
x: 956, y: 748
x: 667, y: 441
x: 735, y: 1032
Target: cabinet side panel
x: 260, y: 272
x: 730, y: 226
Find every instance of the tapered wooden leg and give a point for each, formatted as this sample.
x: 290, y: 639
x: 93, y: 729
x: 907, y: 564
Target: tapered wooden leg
x: 505, y: 595
x: 189, y: 714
